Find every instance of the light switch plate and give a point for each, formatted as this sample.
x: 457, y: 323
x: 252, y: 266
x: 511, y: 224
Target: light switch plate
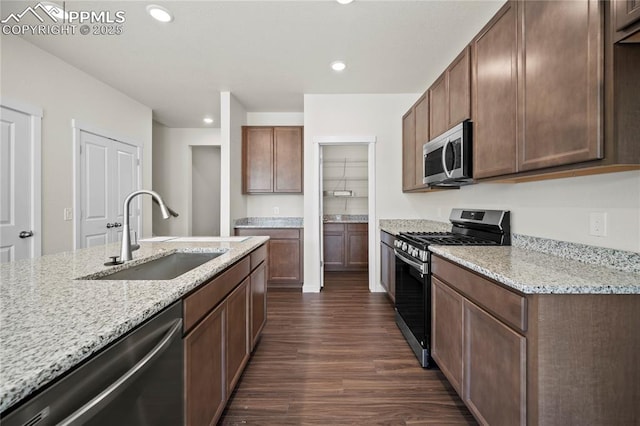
x: 68, y: 214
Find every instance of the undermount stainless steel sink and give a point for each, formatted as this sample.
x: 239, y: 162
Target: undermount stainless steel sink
x: 164, y: 268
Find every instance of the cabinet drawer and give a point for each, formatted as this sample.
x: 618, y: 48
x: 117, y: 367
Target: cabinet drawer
x: 333, y: 227
x: 505, y: 304
x: 209, y: 295
x: 357, y: 227
x: 258, y: 256
x: 280, y: 233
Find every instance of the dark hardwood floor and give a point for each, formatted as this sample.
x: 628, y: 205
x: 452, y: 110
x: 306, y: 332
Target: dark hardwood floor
x: 338, y: 358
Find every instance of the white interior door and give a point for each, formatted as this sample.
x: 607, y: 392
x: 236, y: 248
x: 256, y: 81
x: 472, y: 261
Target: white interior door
x: 16, y: 186
x: 108, y: 172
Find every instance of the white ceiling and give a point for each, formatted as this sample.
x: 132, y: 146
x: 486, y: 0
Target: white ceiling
x: 267, y: 53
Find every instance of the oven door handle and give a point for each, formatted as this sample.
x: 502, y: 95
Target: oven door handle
x: 419, y: 266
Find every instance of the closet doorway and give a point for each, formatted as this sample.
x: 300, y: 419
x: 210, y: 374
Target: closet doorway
x: 346, y: 194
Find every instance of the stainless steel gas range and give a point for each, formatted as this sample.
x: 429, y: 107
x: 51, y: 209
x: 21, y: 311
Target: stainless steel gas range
x: 413, y: 271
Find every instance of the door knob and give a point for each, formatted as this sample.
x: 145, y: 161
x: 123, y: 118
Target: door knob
x: 26, y: 234
x: 117, y: 225
x: 110, y: 225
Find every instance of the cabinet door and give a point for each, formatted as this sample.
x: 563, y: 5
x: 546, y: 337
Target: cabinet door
x: 258, y: 302
x: 288, y: 159
x: 357, y: 249
x: 560, y: 80
x: 495, y: 102
x: 333, y: 246
x: 438, y: 107
x: 285, y: 261
x: 494, y: 386
x: 385, y: 252
x: 446, y: 331
x: 257, y: 158
x: 237, y: 333
x: 627, y: 13
x: 459, y: 93
x: 205, y: 384
x: 408, y: 150
x: 422, y: 137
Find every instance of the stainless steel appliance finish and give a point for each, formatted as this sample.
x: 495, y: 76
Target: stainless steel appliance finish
x: 413, y: 272
x: 447, y: 159
x: 136, y: 381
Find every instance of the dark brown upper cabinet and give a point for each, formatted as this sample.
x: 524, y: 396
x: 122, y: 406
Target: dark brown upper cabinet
x: 560, y: 82
x: 538, y: 115
x: 408, y: 150
x: 494, y: 90
x: 272, y: 159
x: 450, y: 96
x: 415, y: 133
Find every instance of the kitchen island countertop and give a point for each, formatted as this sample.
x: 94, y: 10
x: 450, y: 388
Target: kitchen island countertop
x: 51, y: 320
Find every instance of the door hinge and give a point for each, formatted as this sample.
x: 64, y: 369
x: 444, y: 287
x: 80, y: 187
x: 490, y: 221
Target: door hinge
x: 80, y: 149
x: 138, y: 162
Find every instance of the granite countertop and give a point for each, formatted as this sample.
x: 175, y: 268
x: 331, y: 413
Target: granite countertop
x: 269, y: 222
x: 535, y: 265
x: 533, y: 272
x: 50, y: 320
x: 345, y: 218
x: 395, y: 226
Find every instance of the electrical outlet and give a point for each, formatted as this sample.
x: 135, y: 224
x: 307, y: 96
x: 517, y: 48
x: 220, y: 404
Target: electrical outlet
x: 68, y: 214
x: 598, y: 224
x: 276, y: 210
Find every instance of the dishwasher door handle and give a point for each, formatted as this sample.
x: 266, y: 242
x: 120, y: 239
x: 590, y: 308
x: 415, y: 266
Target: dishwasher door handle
x: 92, y: 407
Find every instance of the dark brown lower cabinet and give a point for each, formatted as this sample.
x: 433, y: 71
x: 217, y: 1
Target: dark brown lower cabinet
x: 346, y: 246
x: 388, y: 264
x: 446, y: 333
x: 495, y: 373
x: 222, y: 320
x: 536, y: 359
x: 285, y: 258
x: 205, y: 385
x: 258, y: 302
x: 237, y: 333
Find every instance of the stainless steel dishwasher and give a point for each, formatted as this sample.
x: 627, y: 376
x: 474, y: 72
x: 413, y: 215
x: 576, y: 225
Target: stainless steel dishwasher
x: 138, y: 380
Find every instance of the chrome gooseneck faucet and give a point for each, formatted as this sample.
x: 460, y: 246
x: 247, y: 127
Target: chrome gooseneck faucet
x: 125, y: 251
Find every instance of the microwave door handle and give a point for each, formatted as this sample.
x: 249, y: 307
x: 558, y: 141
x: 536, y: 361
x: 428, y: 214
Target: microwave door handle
x: 447, y: 172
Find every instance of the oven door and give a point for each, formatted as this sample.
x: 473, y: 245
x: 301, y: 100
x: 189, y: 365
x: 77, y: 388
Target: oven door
x: 413, y: 306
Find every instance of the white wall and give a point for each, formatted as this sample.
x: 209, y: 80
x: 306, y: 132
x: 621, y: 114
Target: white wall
x: 557, y: 209
x: 33, y: 76
x: 354, y: 115
x: 172, y: 165
x: 205, y: 190
x: 232, y: 117
x: 290, y: 205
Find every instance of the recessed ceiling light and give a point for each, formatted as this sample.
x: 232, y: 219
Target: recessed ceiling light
x: 54, y: 9
x: 344, y: 1
x: 208, y: 120
x: 338, y: 66
x: 159, y: 13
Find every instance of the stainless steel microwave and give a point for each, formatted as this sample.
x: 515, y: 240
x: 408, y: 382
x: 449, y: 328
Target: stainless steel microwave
x: 447, y: 159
